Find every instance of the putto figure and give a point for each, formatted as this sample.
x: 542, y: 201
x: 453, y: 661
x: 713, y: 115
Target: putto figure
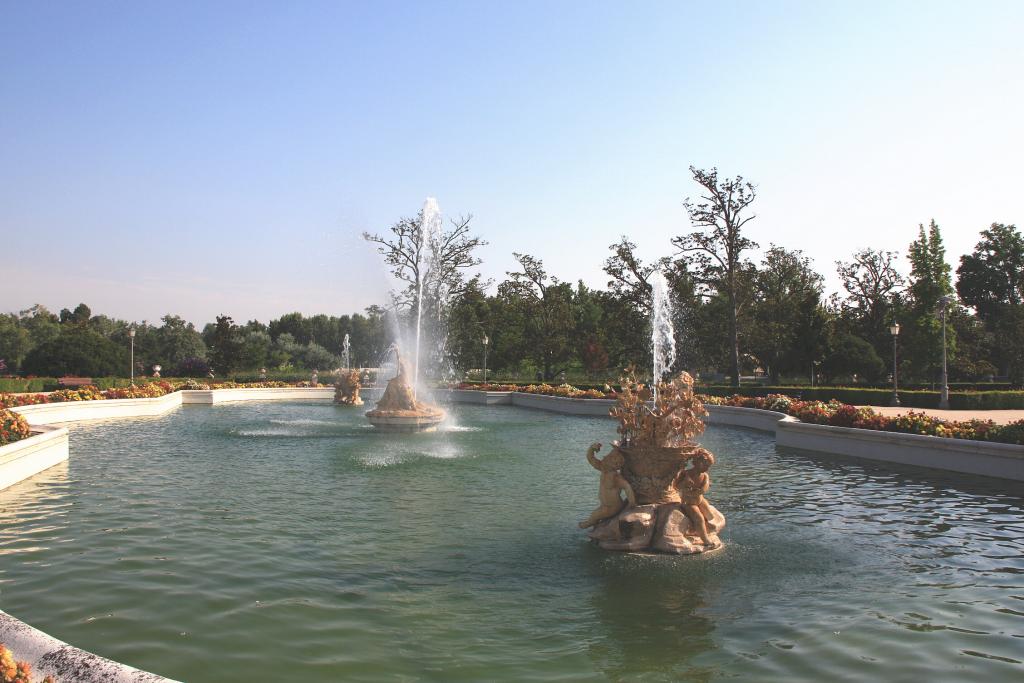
x: 693, y: 483
x: 611, y: 486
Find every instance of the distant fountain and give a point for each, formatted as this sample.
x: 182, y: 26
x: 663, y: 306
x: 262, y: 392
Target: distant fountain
x: 663, y: 341
x: 402, y: 406
x: 398, y: 409
x: 346, y: 348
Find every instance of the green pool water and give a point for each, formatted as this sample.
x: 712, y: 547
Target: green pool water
x: 291, y: 542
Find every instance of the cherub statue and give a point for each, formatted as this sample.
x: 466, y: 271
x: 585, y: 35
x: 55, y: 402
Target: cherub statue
x: 693, y: 483
x: 612, y: 483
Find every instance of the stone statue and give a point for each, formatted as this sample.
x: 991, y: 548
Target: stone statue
x: 398, y: 408
x: 666, y: 508
x: 346, y: 389
x: 612, y: 483
x: 398, y: 395
x: 693, y: 484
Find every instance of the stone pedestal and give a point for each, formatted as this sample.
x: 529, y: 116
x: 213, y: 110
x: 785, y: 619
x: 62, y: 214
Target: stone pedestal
x: 656, y: 527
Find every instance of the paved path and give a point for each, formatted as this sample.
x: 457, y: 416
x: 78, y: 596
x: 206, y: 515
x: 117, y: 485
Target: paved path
x: 998, y: 416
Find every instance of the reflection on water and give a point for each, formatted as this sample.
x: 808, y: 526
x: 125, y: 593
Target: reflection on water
x: 33, y: 513
x: 215, y: 539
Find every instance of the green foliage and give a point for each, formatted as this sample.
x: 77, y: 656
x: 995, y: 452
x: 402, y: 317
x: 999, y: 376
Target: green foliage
x: 15, y: 385
x: 225, y: 345
x: 930, y: 280
x: 991, y: 280
x: 851, y: 356
x: 77, y: 351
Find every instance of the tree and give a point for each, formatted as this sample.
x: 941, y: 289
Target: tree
x: 851, y: 356
x: 77, y: 351
x: 225, y: 345
x: 873, y: 287
x: 630, y: 276
x: 787, y: 293
x: 930, y: 280
x: 469, y: 321
x: 716, y: 248
x: 15, y: 341
x: 991, y: 280
x: 79, y: 316
x: 546, y: 305
x: 294, y: 324
x: 42, y: 325
x: 254, y: 352
x: 410, y: 247
x: 176, y: 340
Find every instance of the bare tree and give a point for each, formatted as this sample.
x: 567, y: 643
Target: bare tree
x: 717, y: 246
x: 406, y: 251
x: 873, y: 286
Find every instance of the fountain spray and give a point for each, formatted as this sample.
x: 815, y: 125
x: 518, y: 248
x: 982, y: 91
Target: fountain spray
x: 430, y: 230
x: 663, y: 341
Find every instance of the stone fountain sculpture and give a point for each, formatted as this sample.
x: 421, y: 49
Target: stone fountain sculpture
x: 665, y: 509
x: 398, y: 409
x: 346, y: 389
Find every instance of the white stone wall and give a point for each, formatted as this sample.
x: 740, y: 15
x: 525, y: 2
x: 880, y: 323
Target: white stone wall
x: 1004, y: 461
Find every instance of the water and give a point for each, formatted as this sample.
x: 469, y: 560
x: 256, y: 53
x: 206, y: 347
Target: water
x: 346, y: 348
x: 427, y: 271
x: 663, y: 339
x: 289, y: 541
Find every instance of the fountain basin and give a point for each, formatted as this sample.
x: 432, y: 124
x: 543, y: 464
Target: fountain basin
x: 406, y: 420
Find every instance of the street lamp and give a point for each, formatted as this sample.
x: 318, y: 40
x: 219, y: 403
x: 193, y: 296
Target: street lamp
x: 486, y: 342
x: 131, y: 336
x: 944, y: 303
x: 895, y: 330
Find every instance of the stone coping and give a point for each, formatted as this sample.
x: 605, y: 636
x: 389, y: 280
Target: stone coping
x: 67, y: 664
x: 983, y: 458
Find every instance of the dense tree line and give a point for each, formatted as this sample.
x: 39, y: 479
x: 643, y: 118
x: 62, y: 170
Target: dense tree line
x: 38, y: 342
x: 733, y: 316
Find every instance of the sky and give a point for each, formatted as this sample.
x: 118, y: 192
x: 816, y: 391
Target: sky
x: 206, y: 158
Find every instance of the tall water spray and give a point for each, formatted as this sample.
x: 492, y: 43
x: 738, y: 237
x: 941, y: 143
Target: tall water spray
x: 345, y: 352
x: 430, y: 233
x: 663, y: 341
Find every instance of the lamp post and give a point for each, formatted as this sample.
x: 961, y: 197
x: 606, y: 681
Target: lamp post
x: 486, y: 342
x: 944, y: 303
x: 895, y: 330
x: 131, y: 336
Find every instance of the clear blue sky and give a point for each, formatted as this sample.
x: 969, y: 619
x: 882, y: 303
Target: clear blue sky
x: 199, y: 158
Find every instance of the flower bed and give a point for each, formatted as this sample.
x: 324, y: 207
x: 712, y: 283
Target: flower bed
x: 12, y: 671
x: 13, y: 427
x: 148, y: 390
x: 838, y: 414
x: 562, y: 390
x: 833, y: 413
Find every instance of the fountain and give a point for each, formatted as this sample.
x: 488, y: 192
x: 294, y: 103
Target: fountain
x: 665, y: 508
x: 346, y: 389
x: 398, y: 409
x: 346, y: 352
